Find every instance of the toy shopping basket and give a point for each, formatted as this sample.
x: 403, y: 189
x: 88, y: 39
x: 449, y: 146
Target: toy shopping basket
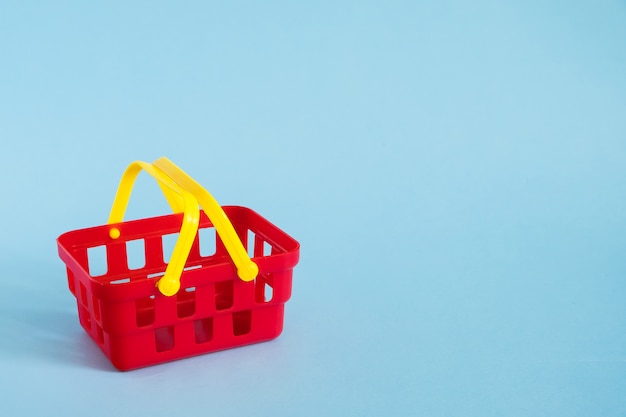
x: 207, y: 296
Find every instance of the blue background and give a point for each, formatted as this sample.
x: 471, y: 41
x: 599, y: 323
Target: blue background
x: 455, y: 172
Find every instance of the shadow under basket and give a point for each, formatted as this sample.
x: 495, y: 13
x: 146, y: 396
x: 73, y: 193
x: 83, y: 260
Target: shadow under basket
x: 122, y: 310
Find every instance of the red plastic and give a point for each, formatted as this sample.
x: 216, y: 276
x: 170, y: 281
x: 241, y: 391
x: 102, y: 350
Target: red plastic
x: 136, y: 326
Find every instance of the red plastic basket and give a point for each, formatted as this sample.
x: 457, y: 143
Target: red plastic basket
x: 135, y: 325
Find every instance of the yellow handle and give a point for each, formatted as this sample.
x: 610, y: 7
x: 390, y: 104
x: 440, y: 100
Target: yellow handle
x: 247, y: 270
x: 180, y: 200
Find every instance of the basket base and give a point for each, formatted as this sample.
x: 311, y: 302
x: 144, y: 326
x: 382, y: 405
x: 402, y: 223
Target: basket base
x: 189, y: 338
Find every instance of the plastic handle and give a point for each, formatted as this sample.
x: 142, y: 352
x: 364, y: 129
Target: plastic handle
x: 247, y: 270
x: 179, y: 199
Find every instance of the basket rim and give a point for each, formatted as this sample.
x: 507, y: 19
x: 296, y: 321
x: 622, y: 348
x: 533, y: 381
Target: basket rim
x: 71, y: 243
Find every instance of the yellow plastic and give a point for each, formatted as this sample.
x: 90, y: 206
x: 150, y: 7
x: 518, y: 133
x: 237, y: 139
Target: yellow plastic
x: 247, y: 270
x: 180, y: 200
x: 183, y: 194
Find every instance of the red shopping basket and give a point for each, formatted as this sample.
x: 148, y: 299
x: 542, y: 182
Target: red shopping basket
x: 211, y: 305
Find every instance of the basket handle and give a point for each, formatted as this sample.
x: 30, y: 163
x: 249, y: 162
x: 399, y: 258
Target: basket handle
x: 247, y: 270
x: 180, y: 200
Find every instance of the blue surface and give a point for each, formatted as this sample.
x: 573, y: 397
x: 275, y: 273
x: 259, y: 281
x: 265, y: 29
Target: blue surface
x: 455, y: 173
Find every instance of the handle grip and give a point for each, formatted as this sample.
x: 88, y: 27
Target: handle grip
x: 180, y: 200
x: 247, y: 270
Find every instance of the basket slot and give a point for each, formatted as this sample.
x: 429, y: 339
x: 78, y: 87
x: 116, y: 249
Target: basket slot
x: 208, y: 241
x: 267, y: 293
x: 242, y: 322
x: 186, y: 302
x: 97, y: 260
x: 135, y: 254
x: 168, y: 242
x: 83, y: 295
x: 223, y: 295
x: 164, y: 338
x: 250, y: 236
x: 144, y: 311
x: 192, y: 267
x: 264, y: 288
x: 96, y: 307
x: 257, y: 245
x: 203, y: 330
